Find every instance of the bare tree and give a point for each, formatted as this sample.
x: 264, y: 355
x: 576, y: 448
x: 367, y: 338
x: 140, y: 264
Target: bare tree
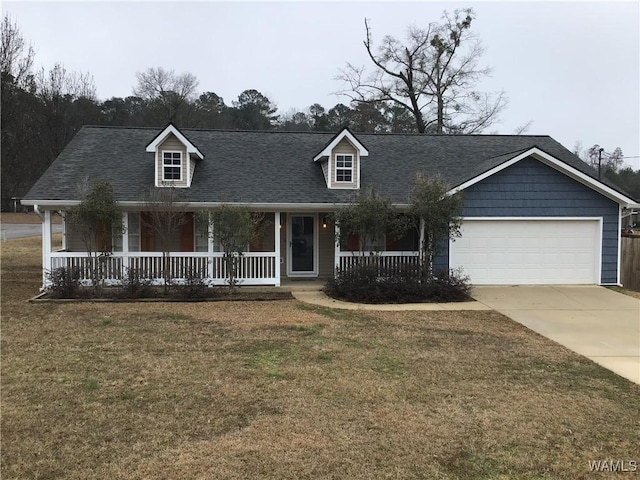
x: 17, y: 111
x: 437, y: 214
x: 522, y: 129
x: 16, y: 57
x: 68, y: 101
x: 165, y: 217
x: 432, y: 76
x: 59, y: 82
x: 233, y: 228
x: 97, y: 218
x: 173, y: 93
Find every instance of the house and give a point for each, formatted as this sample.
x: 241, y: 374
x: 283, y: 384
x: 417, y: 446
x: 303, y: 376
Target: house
x: 533, y: 212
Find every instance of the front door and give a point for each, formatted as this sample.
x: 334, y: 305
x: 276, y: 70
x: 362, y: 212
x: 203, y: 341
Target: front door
x: 302, y: 251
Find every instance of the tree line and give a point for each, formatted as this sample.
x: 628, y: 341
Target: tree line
x: 424, y: 83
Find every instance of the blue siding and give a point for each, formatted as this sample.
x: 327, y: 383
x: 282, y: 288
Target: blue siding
x: 532, y: 189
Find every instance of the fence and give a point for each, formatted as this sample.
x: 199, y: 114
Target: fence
x: 253, y: 268
x: 630, y: 263
x: 384, y: 260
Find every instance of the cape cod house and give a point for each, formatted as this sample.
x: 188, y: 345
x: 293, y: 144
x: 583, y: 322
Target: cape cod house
x: 533, y: 212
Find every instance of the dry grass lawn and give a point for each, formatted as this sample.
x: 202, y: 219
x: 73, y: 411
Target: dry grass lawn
x: 626, y: 291
x: 285, y: 390
x: 25, y: 218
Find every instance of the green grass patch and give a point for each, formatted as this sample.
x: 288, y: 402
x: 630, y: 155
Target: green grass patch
x: 307, y: 329
x: 92, y: 384
x: 387, y: 365
x: 334, y: 313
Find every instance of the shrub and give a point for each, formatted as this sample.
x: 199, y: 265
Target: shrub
x: 374, y: 284
x: 194, y: 285
x: 134, y: 285
x: 448, y: 286
x: 64, y: 282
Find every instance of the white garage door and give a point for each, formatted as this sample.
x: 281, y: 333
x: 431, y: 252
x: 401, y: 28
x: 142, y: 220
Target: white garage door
x: 522, y: 252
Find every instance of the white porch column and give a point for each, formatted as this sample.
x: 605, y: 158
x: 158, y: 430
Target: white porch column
x: 210, y: 247
x: 46, y: 246
x: 125, y: 240
x: 421, y: 245
x: 63, y: 215
x: 276, y: 226
x: 336, y: 243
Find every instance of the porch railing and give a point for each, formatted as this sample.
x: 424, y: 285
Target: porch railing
x: 384, y: 260
x: 255, y: 268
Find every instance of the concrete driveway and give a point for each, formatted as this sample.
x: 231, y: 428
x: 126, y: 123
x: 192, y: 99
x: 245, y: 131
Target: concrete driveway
x: 596, y: 322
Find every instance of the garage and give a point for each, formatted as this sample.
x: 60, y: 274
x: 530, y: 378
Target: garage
x: 529, y: 251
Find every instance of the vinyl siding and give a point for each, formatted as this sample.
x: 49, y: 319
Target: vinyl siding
x: 325, y: 170
x: 326, y: 248
x: 74, y: 238
x: 172, y: 143
x: 532, y: 189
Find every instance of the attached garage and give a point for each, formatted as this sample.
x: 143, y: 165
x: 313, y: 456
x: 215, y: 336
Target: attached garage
x: 529, y: 251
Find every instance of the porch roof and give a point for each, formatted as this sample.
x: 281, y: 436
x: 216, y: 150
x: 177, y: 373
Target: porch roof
x: 269, y: 167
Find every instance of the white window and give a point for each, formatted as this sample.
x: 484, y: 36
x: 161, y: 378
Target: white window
x: 171, y: 166
x: 344, y: 168
x: 201, y: 234
x: 116, y: 242
x: 133, y: 231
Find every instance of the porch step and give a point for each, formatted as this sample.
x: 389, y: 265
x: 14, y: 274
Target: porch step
x: 303, y: 285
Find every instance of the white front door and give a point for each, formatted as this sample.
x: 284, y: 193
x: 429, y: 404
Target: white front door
x: 302, y: 245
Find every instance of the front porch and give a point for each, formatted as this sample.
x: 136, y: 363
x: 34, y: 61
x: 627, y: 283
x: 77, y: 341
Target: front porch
x: 297, y: 248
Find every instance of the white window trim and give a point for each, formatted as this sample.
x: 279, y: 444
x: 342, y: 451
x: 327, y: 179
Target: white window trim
x: 316, y: 239
x: 156, y: 142
x: 182, y: 159
x: 351, y: 168
x: 344, y: 133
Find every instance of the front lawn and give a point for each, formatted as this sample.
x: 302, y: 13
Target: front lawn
x: 286, y: 390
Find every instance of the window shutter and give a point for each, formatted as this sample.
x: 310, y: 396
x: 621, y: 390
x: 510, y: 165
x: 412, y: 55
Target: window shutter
x: 353, y: 242
x: 393, y: 245
x: 103, y: 237
x: 147, y: 236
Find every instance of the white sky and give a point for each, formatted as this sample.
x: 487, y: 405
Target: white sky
x: 572, y: 68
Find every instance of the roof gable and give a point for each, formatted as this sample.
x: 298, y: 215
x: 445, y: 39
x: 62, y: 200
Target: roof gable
x: 172, y: 129
x: 345, y: 133
x: 542, y: 156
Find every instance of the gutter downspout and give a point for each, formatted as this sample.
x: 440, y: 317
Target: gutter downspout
x: 37, y: 211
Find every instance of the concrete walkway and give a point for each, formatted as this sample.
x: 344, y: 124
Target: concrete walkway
x: 596, y: 322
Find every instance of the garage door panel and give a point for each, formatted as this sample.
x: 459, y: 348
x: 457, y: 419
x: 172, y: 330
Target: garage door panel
x: 503, y: 252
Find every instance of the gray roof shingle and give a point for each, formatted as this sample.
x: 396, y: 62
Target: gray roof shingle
x: 278, y: 167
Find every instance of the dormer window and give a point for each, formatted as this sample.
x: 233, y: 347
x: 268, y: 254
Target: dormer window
x: 175, y: 158
x: 344, y: 168
x: 340, y: 160
x: 171, y: 166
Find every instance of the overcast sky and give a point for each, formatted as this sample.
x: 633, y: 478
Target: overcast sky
x: 572, y: 68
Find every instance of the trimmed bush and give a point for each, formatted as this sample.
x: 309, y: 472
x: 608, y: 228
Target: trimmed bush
x: 64, y: 282
x: 448, y: 286
x: 374, y: 284
x: 134, y: 285
x: 194, y: 286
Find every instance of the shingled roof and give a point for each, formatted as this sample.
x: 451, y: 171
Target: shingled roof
x: 277, y: 167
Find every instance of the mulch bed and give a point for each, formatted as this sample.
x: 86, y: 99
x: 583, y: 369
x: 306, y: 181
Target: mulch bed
x: 218, y: 297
